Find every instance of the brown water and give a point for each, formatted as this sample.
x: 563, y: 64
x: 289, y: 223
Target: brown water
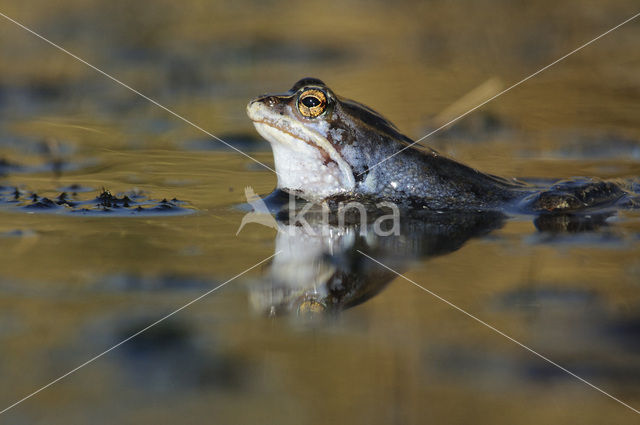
x: 73, y: 284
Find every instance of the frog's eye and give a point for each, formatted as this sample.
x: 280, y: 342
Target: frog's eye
x: 312, y: 103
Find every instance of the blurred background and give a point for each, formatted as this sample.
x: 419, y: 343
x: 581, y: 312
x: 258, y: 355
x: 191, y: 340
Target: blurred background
x: 72, y: 284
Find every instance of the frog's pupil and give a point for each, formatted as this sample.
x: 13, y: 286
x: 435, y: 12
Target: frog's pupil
x: 310, y: 101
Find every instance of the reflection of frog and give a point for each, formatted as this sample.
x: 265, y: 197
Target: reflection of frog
x: 320, y: 269
x: 325, y: 146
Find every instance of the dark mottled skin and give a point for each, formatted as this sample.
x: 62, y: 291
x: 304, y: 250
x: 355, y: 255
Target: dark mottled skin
x: 420, y: 176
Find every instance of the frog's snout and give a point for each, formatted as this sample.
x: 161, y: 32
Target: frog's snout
x: 253, y: 108
x: 264, y: 105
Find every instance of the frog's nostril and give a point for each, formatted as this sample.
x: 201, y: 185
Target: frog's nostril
x: 271, y: 100
x: 266, y: 99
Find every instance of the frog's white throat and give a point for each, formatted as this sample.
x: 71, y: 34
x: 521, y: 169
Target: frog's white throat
x: 301, y: 165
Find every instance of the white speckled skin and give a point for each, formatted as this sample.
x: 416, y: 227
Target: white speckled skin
x: 332, y: 154
x: 301, y: 166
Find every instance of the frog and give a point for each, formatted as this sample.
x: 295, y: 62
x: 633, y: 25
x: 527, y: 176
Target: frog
x: 326, y: 146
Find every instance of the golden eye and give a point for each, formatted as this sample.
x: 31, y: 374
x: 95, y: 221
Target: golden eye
x: 312, y: 103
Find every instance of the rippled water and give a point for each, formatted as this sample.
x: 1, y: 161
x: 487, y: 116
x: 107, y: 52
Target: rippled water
x: 320, y: 333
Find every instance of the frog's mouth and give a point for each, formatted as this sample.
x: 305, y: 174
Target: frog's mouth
x: 271, y: 132
x: 304, y: 159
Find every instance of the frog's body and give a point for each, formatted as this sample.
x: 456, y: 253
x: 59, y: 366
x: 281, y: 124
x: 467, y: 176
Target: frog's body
x: 326, y: 146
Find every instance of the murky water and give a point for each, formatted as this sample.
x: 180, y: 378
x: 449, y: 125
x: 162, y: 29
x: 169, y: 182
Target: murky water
x: 320, y: 333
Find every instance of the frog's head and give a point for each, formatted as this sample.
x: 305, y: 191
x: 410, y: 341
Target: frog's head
x: 322, y: 144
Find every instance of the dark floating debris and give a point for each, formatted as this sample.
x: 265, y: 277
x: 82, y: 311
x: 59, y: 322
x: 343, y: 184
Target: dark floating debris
x: 63, y: 199
x: 41, y: 204
x: 133, y: 203
x: 107, y: 200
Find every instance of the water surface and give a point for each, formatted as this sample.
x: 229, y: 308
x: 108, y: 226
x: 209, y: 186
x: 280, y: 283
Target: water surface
x: 74, y: 283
